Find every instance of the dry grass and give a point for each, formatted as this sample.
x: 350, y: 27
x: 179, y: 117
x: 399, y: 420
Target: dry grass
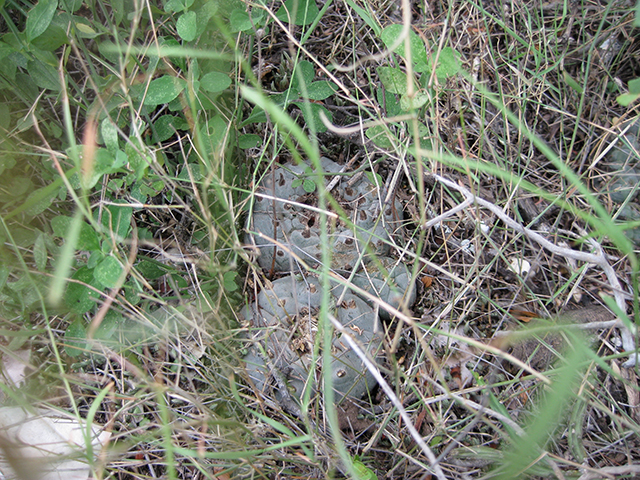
x: 467, y: 398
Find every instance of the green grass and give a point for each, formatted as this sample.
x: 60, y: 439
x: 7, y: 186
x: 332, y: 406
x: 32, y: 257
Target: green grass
x: 133, y: 139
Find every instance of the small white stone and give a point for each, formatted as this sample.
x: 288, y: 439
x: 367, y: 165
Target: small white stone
x: 520, y: 266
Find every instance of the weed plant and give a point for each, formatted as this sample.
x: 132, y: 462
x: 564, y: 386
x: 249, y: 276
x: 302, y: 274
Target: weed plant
x: 134, y: 136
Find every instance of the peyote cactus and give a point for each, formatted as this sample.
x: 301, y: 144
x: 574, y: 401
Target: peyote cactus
x: 284, y: 315
x: 286, y: 219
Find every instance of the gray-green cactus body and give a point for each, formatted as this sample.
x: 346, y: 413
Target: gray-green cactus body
x: 282, y: 214
x: 285, y: 315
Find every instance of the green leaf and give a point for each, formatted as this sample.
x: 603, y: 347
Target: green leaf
x: 249, y: 141
x: 109, y: 135
x: 419, y: 59
x: 321, y: 90
x: 39, y: 18
x: 364, y: 472
x: 87, y: 238
x: 165, y: 127
x: 40, y: 253
x: 301, y: 12
x: 379, y: 136
x: 448, y: 64
x: 177, y: 5
x: 108, y: 271
x: 187, y: 26
x: 393, y: 79
x: 163, y: 90
x: 229, y: 280
x: 73, y: 5
x: 75, y: 339
x: 419, y: 100
x: 311, y: 114
x: 117, y: 219
x: 215, y: 82
x: 44, y: 75
x: 39, y: 200
x: 78, y: 296
x: 239, y: 20
x: 569, y: 80
x: 627, y: 99
x: 304, y: 73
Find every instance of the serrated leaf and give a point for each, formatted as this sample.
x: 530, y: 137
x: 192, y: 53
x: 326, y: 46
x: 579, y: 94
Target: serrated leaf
x: 419, y: 59
x: 40, y: 253
x: 163, y: 90
x: 298, y: 12
x: 108, y: 271
x: 39, y: 18
x: 75, y: 339
x: 187, y: 26
x: 393, y: 79
x: 214, y: 82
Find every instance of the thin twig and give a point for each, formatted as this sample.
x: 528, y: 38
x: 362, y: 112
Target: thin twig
x: 392, y: 396
x: 598, y: 259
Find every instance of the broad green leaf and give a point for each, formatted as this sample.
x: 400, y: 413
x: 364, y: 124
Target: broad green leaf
x: 304, y: 73
x: 419, y: 100
x: 117, y: 219
x: 230, y: 281
x: 79, y: 297
x: 71, y: 5
x: 379, y: 136
x: 239, y: 20
x: 87, y: 238
x: 177, y: 5
x: 448, y: 64
x: 39, y: 200
x: 52, y: 38
x: 44, y: 75
x: 393, y: 79
x: 39, y: 18
x: 569, y: 80
x: 419, y: 59
x: 163, y: 90
x: 137, y: 160
x: 187, y: 26
x: 40, y: 253
x: 312, y: 116
x: 249, y: 141
x: 364, y: 472
x: 321, y: 90
x: 215, y: 82
x: 109, y: 135
x: 627, y: 99
x: 75, y: 339
x: 165, y: 127
x: 298, y: 12
x: 108, y: 272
